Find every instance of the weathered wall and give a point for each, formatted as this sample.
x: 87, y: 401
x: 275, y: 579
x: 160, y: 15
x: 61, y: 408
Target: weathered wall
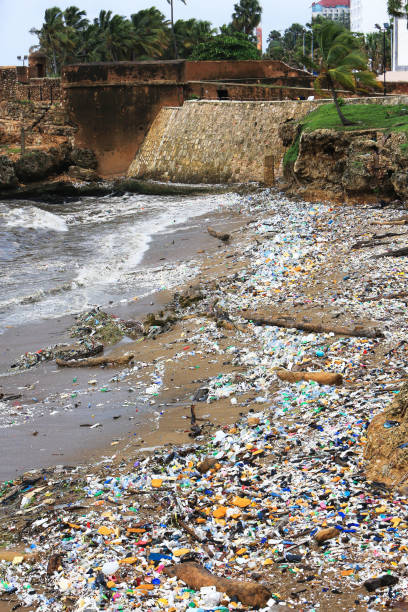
x: 114, y: 104
x: 216, y: 142
x: 16, y: 84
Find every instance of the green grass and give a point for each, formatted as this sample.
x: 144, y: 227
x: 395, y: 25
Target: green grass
x: 364, y: 117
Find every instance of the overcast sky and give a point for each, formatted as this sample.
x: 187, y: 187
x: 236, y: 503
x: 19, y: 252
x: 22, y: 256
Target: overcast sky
x: 17, y: 17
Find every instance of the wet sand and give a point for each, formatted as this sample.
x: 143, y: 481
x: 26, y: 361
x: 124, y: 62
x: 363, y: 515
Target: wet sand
x: 58, y: 438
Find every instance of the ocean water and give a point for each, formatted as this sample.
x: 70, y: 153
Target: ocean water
x: 58, y: 259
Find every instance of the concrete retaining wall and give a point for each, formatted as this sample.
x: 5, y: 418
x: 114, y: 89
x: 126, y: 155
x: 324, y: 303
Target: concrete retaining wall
x: 222, y: 142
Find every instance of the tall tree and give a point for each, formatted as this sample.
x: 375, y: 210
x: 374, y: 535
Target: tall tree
x: 226, y: 46
x: 341, y: 63
x: 191, y: 33
x: 114, y: 37
x: 150, y: 34
x: 53, y: 37
x: 246, y: 16
x: 171, y: 2
x: 397, y: 8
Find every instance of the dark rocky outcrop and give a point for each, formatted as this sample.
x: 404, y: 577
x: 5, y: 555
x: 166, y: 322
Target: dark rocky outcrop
x: 37, y: 164
x: 84, y: 158
x: 365, y: 164
x: 387, y: 443
x: 82, y: 174
x: 8, y: 177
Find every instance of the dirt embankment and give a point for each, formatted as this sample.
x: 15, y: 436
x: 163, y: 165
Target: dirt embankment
x: 359, y: 166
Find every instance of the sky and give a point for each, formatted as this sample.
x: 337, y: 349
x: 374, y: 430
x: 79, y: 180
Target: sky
x: 17, y: 17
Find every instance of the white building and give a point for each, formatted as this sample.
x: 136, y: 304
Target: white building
x: 400, y: 47
x: 336, y: 10
x: 366, y: 13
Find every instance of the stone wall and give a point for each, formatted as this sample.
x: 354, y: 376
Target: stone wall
x: 16, y: 84
x: 218, y: 142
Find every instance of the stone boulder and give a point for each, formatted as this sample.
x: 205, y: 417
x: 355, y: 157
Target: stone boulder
x: 322, y: 158
x: 84, y: 158
x: 387, y: 443
x: 82, y: 174
x: 38, y: 164
x: 7, y: 173
x: 288, y: 132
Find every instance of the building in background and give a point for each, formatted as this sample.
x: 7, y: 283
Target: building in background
x: 400, y: 47
x: 364, y: 14
x: 336, y: 10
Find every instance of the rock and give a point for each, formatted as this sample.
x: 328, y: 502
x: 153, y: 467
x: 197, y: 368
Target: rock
x: 326, y: 534
x: 7, y: 173
x: 84, y: 158
x: 189, y: 297
x: 399, y: 182
x: 37, y: 164
x: 387, y: 443
x: 251, y: 594
x: 77, y: 351
x: 54, y: 563
x: 379, y: 583
x: 83, y: 174
x: 207, y: 464
x: 288, y: 132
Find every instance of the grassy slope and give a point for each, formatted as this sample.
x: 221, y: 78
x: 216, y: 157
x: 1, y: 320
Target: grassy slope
x: 364, y: 116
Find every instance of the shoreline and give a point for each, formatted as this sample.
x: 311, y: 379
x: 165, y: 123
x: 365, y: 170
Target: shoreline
x: 47, y: 447
x: 296, y: 460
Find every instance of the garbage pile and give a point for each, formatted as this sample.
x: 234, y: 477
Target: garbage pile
x: 274, y: 510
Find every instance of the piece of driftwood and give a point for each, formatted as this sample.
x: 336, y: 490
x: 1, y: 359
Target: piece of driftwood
x: 323, y: 378
x: 251, y: 594
x: 367, y: 244
x: 224, y: 237
x: 397, y: 253
x: 403, y: 221
x: 95, y: 361
x: 390, y: 296
x: 358, y: 331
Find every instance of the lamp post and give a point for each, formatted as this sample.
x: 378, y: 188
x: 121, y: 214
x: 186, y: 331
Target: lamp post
x: 22, y: 58
x: 384, y: 30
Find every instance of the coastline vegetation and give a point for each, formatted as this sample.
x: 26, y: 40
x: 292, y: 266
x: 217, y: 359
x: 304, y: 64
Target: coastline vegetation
x: 361, y: 117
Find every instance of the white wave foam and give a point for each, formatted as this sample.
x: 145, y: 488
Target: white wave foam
x: 30, y: 217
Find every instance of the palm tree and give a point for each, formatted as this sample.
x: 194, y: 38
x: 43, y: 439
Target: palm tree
x: 191, y: 33
x: 76, y: 26
x: 341, y: 63
x: 247, y: 16
x: 113, y: 37
x: 53, y: 37
x: 171, y: 2
x: 150, y: 33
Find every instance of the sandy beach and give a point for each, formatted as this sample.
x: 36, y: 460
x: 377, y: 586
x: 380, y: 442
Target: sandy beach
x: 293, y: 451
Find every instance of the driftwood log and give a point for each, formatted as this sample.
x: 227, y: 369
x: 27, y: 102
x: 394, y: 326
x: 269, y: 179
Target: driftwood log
x: 224, y: 237
x: 251, y: 594
x: 95, y: 361
x: 397, y: 253
x: 358, y: 331
x: 323, y: 378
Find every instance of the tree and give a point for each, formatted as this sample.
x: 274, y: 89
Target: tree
x: 246, y: 16
x: 341, y: 63
x: 191, y: 33
x: 374, y: 47
x: 113, y: 37
x: 150, y: 34
x: 52, y: 37
x: 397, y: 8
x: 171, y: 2
x: 226, y: 47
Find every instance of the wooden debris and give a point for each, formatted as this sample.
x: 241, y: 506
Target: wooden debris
x: 358, y: 331
x: 224, y: 237
x: 323, y: 378
x: 397, y: 253
x: 251, y: 594
x: 93, y: 362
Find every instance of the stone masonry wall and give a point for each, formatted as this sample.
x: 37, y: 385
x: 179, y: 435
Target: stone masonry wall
x: 222, y: 142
